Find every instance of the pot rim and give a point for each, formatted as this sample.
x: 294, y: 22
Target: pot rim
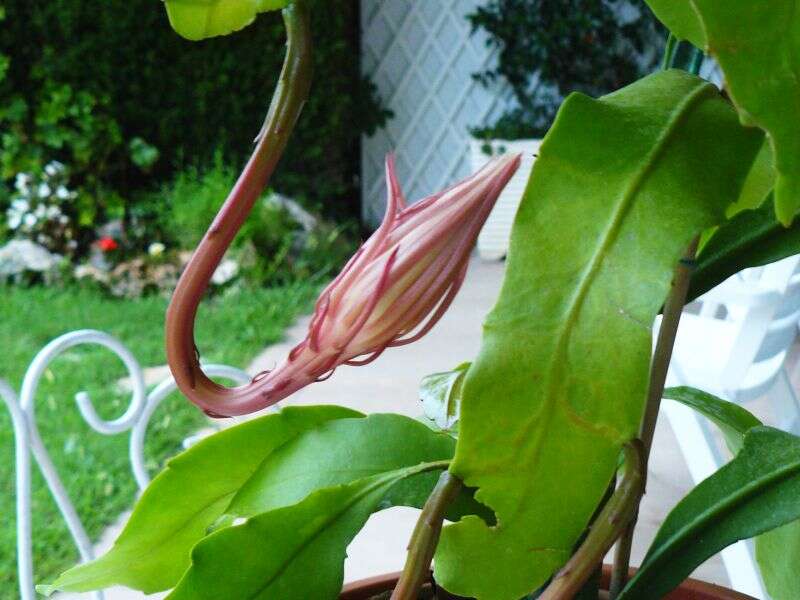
x: 691, y: 589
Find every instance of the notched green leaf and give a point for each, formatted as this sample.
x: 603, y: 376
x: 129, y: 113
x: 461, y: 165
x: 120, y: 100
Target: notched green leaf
x: 756, y: 45
x: 340, y: 452
x: 153, y: 551
x: 292, y: 553
x: 621, y: 186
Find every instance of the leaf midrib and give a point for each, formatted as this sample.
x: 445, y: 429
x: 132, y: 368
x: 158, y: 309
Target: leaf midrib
x: 557, y: 361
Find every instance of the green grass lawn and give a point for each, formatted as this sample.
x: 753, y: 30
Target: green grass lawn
x: 231, y: 329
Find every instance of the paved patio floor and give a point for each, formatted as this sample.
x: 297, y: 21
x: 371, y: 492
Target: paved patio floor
x: 390, y: 385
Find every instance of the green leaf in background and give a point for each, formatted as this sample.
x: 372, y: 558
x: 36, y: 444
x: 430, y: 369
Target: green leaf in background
x: 291, y: 553
x: 200, y: 19
x: 757, y: 491
x: 441, y: 396
x: 733, y: 420
x: 681, y: 19
x: 759, y: 183
x: 342, y: 451
x: 621, y: 186
x: 153, y: 551
x: 752, y: 238
x: 777, y: 551
x: 778, y: 556
x: 756, y: 44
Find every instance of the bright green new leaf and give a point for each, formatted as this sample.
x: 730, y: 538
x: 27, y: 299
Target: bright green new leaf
x: 346, y: 450
x: 757, y: 491
x: 733, y: 420
x: 750, y: 239
x: 621, y: 186
x: 756, y: 44
x: 153, y: 551
x: 441, y: 396
x: 200, y: 19
x: 291, y: 553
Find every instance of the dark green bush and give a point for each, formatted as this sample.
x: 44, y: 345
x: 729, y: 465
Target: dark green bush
x: 108, y: 88
x: 549, y: 48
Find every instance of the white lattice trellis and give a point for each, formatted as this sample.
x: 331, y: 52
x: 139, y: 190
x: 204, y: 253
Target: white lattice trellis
x: 421, y: 55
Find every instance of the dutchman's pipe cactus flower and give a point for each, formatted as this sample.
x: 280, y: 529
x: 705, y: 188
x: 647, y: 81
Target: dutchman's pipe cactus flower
x: 391, y: 292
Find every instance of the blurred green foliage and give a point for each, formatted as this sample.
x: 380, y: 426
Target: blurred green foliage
x: 272, y: 247
x: 110, y: 90
x: 550, y: 48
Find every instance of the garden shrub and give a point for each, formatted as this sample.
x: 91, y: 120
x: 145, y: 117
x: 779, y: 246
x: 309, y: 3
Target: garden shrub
x: 112, y: 92
x: 549, y: 48
x: 272, y: 247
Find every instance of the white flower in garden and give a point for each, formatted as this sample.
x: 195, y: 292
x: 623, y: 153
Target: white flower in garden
x: 62, y: 192
x: 29, y: 220
x: 20, y: 205
x: 40, y: 211
x: 156, y: 249
x: 63, y: 219
x: 53, y: 168
x: 14, y: 219
x: 44, y: 190
x: 53, y: 211
x: 21, y: 182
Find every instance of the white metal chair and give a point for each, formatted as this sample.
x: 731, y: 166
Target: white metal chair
x: 28, y: 442
x: 736, y: 347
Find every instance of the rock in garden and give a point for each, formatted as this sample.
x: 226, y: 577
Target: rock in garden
x: 298, y: 214
x: 19, y: 256
x: 226, y: 271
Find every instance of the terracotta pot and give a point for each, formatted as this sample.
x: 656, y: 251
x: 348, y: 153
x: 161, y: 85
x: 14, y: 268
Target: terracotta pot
x: 690, y: 589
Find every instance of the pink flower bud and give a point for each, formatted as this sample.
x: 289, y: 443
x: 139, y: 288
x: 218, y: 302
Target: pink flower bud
x: 391, y: 292
x: 408, y: 272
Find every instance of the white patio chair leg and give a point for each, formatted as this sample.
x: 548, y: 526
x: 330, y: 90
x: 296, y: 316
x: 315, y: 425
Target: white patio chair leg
x: 787, y: 408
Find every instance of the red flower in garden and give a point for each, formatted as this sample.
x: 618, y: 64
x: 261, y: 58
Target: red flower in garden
x: 107, y: 244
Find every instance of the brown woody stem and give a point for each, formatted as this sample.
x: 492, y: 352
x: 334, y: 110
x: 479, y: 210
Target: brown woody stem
x: 425, y: 538
x: 658, y: 377
x: 287, y: 102
x: 609, y: 525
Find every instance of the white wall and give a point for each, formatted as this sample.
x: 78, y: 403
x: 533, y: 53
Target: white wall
x: 421, y: 56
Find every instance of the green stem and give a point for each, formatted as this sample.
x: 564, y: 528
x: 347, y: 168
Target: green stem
x: 609, y: 525
x: 696, y: 61
x: 425, y: 538
x: 287, y: 102
x: 658, y: 376
x: 669, y: 51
